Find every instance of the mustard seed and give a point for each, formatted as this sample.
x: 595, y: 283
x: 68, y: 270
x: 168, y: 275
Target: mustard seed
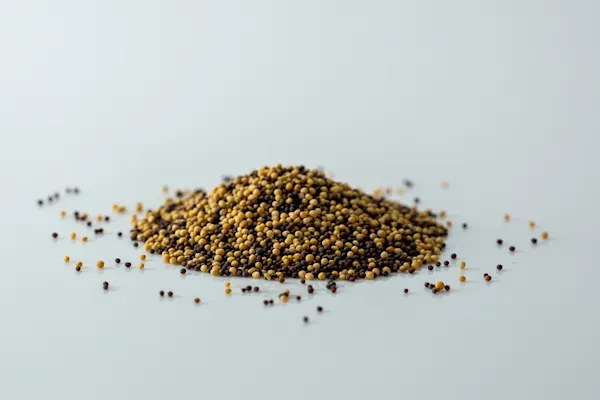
x: 446, y: 263
x: 499, y: 267
x: 161, y: 293
x: 435, y: 290
x: 534, y: 240
x: 405, y: 291
x: 462, y: 265
x: 544, y: 235
x: 464, y: 225
x: 227, y: 291
x: 256, y: 289
x: 266, y: 302
x: 182, y: 271
x: 427, y: 285
x: 488, y: 278
x: 100, y: 264
x: 506, y: 217
x: 88, y: 224
x: 118, y: 260
x: 54, y: 235
x: 438, y: 264
x: 283, y: 299
x: 84, y: 239
x: 79, y: 264
x: 447, y: 288
x: 142, y: 257
x: 170, y: 294
x: 430, y: 267
x: 78, y: 268
x: 105, y: 285
x: 462, y: 278
x: 120, y: 234
x: 141, y: 266
x: 197, y: 300
x: 319, y: 309
x: 73, y: 235
x: 298, y: 298
x: 127, y: 264
x: 227, y: 284
x: 499, y: 241
x: 62, y: 213
x: 40, y: 202
x: 453, y: 256
x: 305, y: 319
x: 66, y: 259
x: 531, y: 224
x: 511, y: 249
x: 243, y: 290
x: 439, y: 285
x: 303, y: 281
x: 249, y: 288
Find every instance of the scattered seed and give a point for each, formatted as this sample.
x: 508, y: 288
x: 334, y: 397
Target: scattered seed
x: 73, y: 235
x: 430, y: 267
x: 531, y: 224
x: 465, y: 226
x: 197, y: 300
x: 142, y: 257
x: 62, y: 213
x: 499, y: 267
x: 319, y: 309
x: 120, y: 234
x: 453, y: 256
x: 305, y: 319
x: 511, y: 249
x: 266, y: 302
x: 54, y: 235
x: 78, y: 268
x: 227, y: 284
x: 439, y: 285
x: 256, y: 288
x: 298, y: 298
x: 118, y: 260
x: 183, y: 271
x: 462, y: 278
x: 446, y: 263
x: 141, y: 266
x: 506, y: 217
x: 227, y: 291
x: 499, y: 241
x: 170, y: 294
x: 100, y: 264
x: 79, y: 264
x: 405, y: 291
x: 283, y: 298
x: 84, y: 239
x: 534, y: 240
x: 66, y: 259
x: 161, y: 293
x: 544, y: 235
x: 462, y: 265
x: 127, y: 264
x: 427, y: 285
x: 105, y: 285
x: 488, y: 278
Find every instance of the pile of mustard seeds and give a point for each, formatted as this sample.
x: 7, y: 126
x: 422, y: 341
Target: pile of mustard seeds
x: 279, y: 222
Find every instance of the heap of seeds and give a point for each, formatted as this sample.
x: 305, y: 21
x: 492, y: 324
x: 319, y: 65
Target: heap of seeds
x: 290, y: 222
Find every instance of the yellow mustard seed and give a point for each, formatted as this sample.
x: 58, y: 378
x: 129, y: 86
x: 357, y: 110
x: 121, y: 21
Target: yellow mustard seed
x: 100, y: 264
x: 73, y: 235
x: 462, y: 278
x: 544, y: 235
x: 369, y: 275
x: 462, y: 265
x: 227, y: 284
x: 63, y: 213
x: 309, y: 276
x: 142, y: 257
x: 203, y: 268
x: 227, y: 291
x: 98, y: 218
x: 321, y: 276
x: 439, y: 285
x: 141, y: 266
x: 164, y: 189
x: 449, y: 224
x: 443, y: 214
x: 283, y: 299
x: 138, y: 207
x: 256, y: 274
x: 531, y: 224
x: 79, y: 264
x: 66, y: 259
x: 506, y: 217
x: 84, y: 239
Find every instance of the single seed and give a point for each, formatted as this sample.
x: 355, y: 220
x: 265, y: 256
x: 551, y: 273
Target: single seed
x: 465, y: 226
x: 99, y: 218
x: 54, y: 235
x: 283, y: 299
x: 544, y: 235
x: 430, y: 267
x: 534, y: 240
x: 84, y: 239
x: 118, y: 260
x: 197, y: 300
x: 511, y: 248
x: 405, y: 291
x: 62, y: 213
x: 256, y: 288
x: 66, y: 259
x: 78, y: 268
x: 249, y: 288
x: 243, y: 290
x: 438, y: 264
x: 485, y: 274
x: 499, y: 267
x: 89, y: 223
x: 488, y: 278
x: 161, y: 293
x: 40, y: 202
x: 298, y: 298
x: 303, y: 281
x: 227, y: 291
x: 435, y: 290
x: 170, y: 294
x: 105, y: 285
x: 427, y: 285
x: 319, y: 309
x: 119, y: 234
x: 79, y: 264
x: 100, y: 264
x: 135, y: 244
x: 531, y: 224
x: 266, y: 302
x: 506, y: 217
x: 227, y: 284
x: 142, y: 257
x: 462, y: 265
x: 453, y: 256
x: 447, y: 287
x: 107, y: 218
x: 183, y: 271
x: 73, y: 235
x: 499, y: 241
x: 439, y: 285
x: 271, y: 302
x: 127, y: 264
x: 305, y: 319
x: 446, y: 263
x: 141, y: 266
x: 462, y: 278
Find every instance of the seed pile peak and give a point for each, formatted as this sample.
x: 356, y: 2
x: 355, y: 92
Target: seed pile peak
x: 290, y: 221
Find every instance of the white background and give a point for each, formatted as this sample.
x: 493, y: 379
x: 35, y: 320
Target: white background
x: 120, y: 97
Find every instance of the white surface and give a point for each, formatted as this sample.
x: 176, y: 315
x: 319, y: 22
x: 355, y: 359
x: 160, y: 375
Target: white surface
x: 120, y: 97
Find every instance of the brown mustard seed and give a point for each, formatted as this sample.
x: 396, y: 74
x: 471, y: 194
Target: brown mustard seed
x: 427, y: 285
x: 127, y: 264
x: 488, y: 278
x: 118, y: 260
x: 305, y: 319
x: 405, y: 291
x: 105, y: 285
x: 499, y: 242
x: 286, y: 222
x: 533, y: 240
x: 453, y: 256
x: 511, y: 249
x: 506, y: 217
x: 446, y: 263
x: 182, y: 271
x: 120, y: 234
x: 266, y: 302
x: 197, y: 300
x: 447, y: 288
x: 54, y: 235
x: 531, y: 224
x: 298, y: 298
x: 499, y: 267
x: 78, y: 268
x: 430, y: 267
x: 170, y: 294
x: 161, y: 293
x: 319, y: 309
x: 256, y: 289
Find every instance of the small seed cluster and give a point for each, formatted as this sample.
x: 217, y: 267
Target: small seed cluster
x: 280, y: 222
